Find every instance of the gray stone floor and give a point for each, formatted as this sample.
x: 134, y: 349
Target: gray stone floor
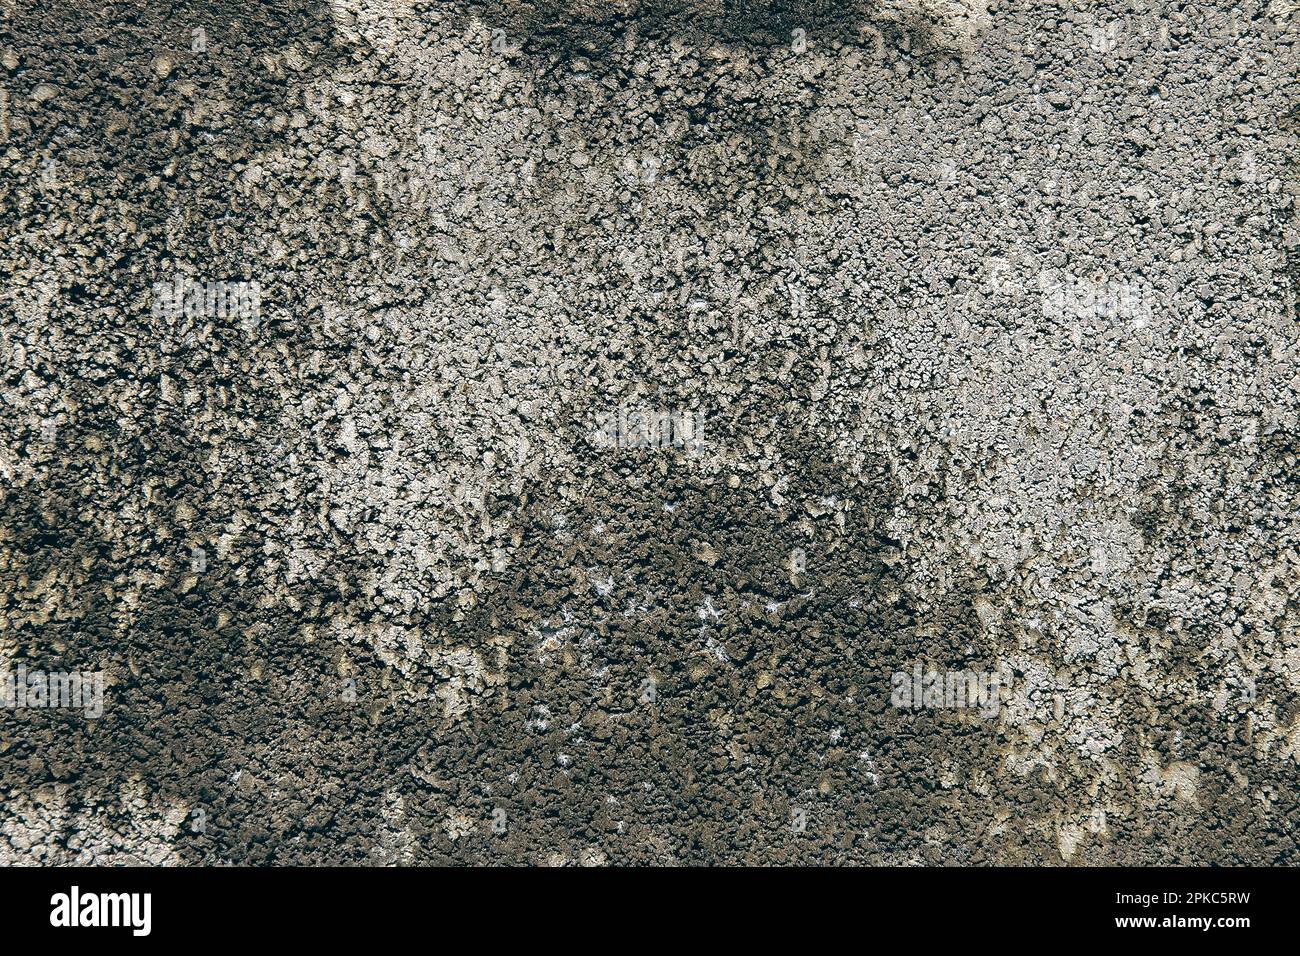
x: 696, y: 432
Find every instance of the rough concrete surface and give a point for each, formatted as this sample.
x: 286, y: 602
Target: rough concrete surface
x: 632, y: 397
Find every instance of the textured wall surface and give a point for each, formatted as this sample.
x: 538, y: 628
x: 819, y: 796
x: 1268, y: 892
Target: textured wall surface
x: 614, y: 413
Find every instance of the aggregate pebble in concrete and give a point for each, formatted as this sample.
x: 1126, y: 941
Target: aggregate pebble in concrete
x: 631, y: 392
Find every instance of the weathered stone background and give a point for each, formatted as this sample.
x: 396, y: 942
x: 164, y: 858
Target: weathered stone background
x: 434, y: 621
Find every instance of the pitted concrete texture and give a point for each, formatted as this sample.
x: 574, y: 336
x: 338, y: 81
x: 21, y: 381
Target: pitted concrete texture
x: 608, y: 404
